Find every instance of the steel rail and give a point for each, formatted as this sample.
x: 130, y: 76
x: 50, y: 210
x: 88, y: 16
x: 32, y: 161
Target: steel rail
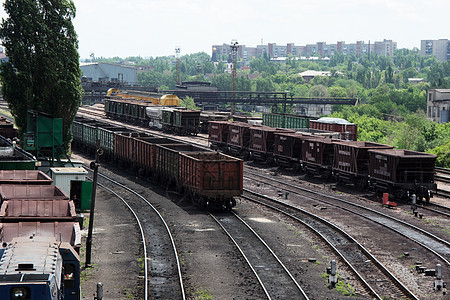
x: 244, y: 256
x: 273, y: 254
x: 165, y: 225
x: 381, y: 267
x: 426, y: 233
x: 142, y: 236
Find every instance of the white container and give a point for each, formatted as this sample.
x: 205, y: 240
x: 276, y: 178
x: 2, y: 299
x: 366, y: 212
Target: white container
x: 62, y: 177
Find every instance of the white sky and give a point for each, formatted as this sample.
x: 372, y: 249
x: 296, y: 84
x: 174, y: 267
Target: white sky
x: 147, y: 28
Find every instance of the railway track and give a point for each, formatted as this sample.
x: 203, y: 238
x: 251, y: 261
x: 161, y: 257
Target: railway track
x: 163, y: 278
x: 377, y: 280
x: 272, y: 275
x: 436, y: 245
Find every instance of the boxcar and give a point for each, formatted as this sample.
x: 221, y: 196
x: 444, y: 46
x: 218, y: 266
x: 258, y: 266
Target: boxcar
x: 351, y: 161
x: 24, y: 177
x: 218, y: 134
x: 238, y: 139
x: 212, y: 178
x: 402, y: 172
x: 318, y: 155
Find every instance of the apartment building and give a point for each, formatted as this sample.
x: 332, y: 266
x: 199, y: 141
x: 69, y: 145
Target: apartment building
x: 439, y: 48
x: 322, y: 49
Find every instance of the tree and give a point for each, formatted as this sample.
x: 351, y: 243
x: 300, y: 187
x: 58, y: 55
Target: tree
x: 43, y: 72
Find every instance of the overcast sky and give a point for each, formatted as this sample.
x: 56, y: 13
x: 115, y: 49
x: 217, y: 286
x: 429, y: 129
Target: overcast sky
x: 147, y: 28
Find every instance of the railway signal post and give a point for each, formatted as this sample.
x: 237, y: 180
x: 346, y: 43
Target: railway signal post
x: 94, y: 165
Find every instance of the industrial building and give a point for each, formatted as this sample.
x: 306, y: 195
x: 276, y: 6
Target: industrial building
x: 106, y: 72
x: 438, y: 105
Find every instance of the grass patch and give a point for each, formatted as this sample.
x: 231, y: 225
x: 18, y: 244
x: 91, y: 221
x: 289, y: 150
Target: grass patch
x: 202, y: 295
x: 343, y: 288
x: 141, y: 263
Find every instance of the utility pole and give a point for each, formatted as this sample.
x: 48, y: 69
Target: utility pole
x: 177, y: 57
x: 93, y: 165
x: 234, y: 47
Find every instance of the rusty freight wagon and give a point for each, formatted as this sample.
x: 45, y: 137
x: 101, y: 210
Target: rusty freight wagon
x: 402, y: 172
x: 44, y: 210
x: 238, y: 139
x: 218, y: 135
x: 212, y: 179
x: 351, y: 161
x: 287, y: 150
x: 262, y: 142
x: 167, y: 159
x: 318, y: 155
x: 24, y: 177
x: 125, y: 147
x: 143, y: 156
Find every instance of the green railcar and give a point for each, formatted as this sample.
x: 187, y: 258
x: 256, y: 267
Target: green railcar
x: 286, y: 120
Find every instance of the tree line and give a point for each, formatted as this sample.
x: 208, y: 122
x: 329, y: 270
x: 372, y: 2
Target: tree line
x: 391, y: 109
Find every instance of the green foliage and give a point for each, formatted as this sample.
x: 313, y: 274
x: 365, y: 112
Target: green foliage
x: 189, y: 103
x: 43, y: 71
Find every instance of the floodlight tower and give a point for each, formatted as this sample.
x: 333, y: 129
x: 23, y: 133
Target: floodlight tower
x: 177, y: 57
x: 234, y: 47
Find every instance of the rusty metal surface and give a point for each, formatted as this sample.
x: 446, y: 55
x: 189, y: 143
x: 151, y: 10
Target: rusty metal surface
x: 41, y: 208
x: 62, y: 231
x: 402, y: 166
x: 353, y: 157
x: 239, y: 134
x: 218, y: 131
x: 19, y: 191
x: 211, y: 174
x: 24, y: 177
x: 262, y: 138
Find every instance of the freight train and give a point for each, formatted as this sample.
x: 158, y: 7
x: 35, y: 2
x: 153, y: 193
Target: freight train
x: 40, y: 236
x: 168, y: 118
x: 368, y: 165
x: 209, y: 178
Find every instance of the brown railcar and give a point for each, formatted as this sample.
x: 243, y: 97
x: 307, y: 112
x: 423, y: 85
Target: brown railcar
x: 238, y: 139
x: 212, y: 178
x: 402, y: 172
x: 262, y: 141
x: 125, y: 147
x: 287, y: 149
x: 318, y: 155
x: 44, y: 210
x: 167, y: 159
x: 144, y: 153
x: 218, y: 134
x: 351, y: 161
x: 24, y: 177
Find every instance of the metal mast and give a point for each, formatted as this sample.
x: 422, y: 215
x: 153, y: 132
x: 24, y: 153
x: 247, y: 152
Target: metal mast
x: 177, y: 57
x: 234, y: 47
